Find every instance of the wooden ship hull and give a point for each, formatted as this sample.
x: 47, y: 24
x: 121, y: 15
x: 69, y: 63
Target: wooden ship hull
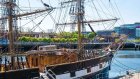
x: 20, y: 70
x: 59, y: 64
x: 87, y: 69
x: 53, y: 63
x: 67, y: 64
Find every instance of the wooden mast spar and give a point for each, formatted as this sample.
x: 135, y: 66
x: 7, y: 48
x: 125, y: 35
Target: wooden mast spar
x: 10, y: 5
x: 79, y: 23
x: 10, y: 33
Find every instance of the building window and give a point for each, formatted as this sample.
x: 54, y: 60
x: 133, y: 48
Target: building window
x: 72, y: 74
x: 88, y: 70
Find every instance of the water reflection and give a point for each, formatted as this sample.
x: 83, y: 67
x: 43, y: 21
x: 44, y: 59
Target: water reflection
x: 123, y: 61
x: 129, y: 56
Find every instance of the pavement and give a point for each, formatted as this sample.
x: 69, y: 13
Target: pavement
x: 131, y: 76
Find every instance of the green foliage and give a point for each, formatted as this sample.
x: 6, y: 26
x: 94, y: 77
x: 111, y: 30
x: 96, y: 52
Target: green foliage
x: 133, y: 40
x: 60, y: 38
x: 24, y: 38
x: 34, y: 39
x: 91, y: 35
x: 47, y: 40
x: 64, y: 35
x: 117, y: 40
x: 137, y: 40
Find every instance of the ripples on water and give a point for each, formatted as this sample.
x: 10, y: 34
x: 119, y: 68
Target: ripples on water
x: 123, y: 61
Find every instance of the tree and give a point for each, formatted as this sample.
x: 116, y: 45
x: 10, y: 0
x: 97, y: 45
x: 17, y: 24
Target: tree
x: 48, y: 40
x: 24, y: 39
x: 91, y: 35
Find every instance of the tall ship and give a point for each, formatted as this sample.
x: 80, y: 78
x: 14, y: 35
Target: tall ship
x: 55, y: 61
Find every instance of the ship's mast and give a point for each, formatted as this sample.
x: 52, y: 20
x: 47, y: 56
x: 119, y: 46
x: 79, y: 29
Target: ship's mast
x: 77, y: 12
x: 72, y: 16
x: 8, y: 10
x: 80, y: 13
x: 74, y: 10
x: 12, y: 17
x: 3, y: 21
x: 10, y: 25
x: 9, y: 6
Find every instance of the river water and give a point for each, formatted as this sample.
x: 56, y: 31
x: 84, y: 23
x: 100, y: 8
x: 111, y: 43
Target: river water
x: 125, y: 60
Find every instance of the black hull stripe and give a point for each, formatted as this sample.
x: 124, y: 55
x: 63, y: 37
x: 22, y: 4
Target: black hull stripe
x: 94, y: 75
x: 20, y: 74
x: 72, y: 67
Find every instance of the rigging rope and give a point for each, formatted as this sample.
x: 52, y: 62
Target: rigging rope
x: 126, y: 65
x: 98, y: 13
x: 35, y: 18
x: 123, y: 22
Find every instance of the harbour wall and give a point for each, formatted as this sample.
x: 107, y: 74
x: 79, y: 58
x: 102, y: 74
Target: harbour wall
x: 25, y: 46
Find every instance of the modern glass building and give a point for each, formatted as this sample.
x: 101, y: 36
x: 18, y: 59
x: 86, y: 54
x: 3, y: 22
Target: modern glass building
x: 106, y: 35
x: 132, y: 30
x: 138, y: 31
x: 105, y: 32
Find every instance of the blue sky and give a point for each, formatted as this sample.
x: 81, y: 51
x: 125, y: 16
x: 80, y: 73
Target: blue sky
x: 130, y: 10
